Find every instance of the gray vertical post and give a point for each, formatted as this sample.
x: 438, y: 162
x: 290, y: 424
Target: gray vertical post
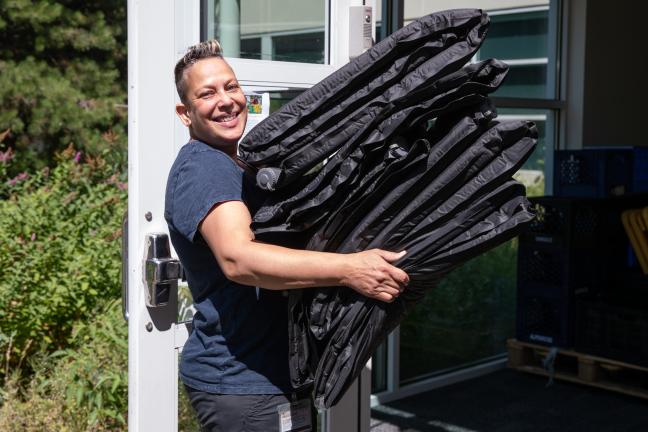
x: 229, y: 27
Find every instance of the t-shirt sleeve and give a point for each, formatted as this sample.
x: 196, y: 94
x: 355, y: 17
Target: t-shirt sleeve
x: 205, y: 179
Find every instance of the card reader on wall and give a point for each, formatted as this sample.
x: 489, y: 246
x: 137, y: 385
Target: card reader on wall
x: 360, y: 22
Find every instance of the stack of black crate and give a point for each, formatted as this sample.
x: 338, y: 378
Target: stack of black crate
x: 576, y: 250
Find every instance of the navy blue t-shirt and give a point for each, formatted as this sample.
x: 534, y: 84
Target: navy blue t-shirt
x: 239, y: 342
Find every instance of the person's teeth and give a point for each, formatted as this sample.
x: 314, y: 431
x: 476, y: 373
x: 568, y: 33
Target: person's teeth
x: 228, y: 118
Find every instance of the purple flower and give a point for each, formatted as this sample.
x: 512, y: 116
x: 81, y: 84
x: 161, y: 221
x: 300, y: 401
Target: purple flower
x: 20, y: 177
x: 6, y: 156
x: 33, y: 236
x: 77, y: 157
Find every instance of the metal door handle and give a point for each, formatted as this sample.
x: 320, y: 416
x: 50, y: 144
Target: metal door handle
x: 161, y: 272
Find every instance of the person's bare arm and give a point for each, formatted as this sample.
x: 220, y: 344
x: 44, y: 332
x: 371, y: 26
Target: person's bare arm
x: 226, y: 229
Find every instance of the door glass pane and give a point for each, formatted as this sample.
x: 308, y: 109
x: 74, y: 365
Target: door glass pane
x: 279, y: 98
x: 281, y: 30
x: 518, y: 35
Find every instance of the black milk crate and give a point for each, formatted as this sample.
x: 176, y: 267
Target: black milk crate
x: 565, y: 221
x: 613, y: 329
x: 584, y: 223
x: 575, y: 247
x: 543, y: 269
x: 600, y: 172
x: 544, y: 319
x: 549, y: 279
x: 640, y: 170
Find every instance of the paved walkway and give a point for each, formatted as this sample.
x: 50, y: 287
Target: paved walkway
x: 511, y: 401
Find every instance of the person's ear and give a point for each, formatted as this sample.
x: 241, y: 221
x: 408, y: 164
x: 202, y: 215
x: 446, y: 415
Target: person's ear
x: 183, y: 112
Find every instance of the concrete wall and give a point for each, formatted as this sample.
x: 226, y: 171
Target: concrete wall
x: 615, y: 97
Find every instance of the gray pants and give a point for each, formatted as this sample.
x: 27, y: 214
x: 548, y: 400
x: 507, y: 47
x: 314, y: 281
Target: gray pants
x: 237, y: 413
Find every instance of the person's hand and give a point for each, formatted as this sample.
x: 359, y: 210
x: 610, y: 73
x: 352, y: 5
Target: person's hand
x: 371, y: 274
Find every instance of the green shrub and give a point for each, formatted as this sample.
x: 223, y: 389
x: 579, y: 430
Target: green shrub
x: 62, y: 77
x: 78, y: 389
x: 59, y: 254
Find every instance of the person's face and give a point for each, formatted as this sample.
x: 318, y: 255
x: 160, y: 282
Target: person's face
x: 216, y: 110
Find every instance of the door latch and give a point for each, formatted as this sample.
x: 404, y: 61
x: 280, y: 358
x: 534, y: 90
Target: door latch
x: 161, y: 271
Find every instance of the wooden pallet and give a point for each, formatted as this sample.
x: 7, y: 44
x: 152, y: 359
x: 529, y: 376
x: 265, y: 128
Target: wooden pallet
x: 580, y: 368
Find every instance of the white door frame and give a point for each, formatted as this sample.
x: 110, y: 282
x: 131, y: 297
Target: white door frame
x: 153, y: 35
x: 159, y: 31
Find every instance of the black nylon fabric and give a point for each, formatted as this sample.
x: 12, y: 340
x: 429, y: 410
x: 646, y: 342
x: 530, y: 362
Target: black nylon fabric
x: 399, y: 149
x: 448, y: 94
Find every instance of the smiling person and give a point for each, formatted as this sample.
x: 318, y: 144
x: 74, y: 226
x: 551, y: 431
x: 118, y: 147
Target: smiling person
x: 235, y: 362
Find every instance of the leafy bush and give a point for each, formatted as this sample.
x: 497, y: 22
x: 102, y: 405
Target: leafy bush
x: 78, y: 389
x: 62, y: 77
x: 60, y: 254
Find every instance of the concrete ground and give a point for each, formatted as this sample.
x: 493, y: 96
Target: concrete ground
x: 512, y: 401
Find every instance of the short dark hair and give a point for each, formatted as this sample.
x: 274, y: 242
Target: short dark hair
x: 203, y: 50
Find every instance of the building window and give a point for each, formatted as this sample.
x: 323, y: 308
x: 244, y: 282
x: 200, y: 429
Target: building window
x: 251, y: 48
x: 300, y: 47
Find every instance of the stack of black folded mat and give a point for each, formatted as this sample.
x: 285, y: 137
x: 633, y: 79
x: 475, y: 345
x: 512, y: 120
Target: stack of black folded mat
x: 396, y: 150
